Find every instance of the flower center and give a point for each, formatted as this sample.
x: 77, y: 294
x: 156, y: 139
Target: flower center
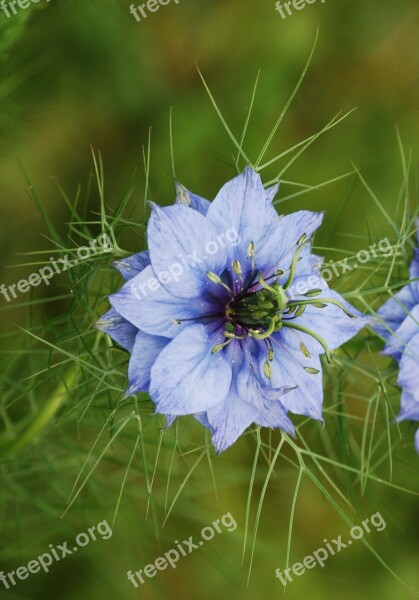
x: 259, y: 309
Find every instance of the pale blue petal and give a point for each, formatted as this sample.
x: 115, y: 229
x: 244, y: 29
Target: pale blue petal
x: 414, y: 274
x: 402, y: 336
x: 409, y: 407
x: 307, y: 273
x: 133, y: 265
x: 118, y: 328
x: 274, y: 415
x: 394, y: 312
x: 271, y: 192
x: 294, y: 226
x: 170, y: 419
x: 186, y: 377
x: 203, y: 419
x: 229, y: 419
x: 316, y: 262
x: 266, y: 399
x: 281, y: 246
x: 305, y: 279
x: 330, y: 322
x: 145, y: 302
x: 144, y: 354
x: 243, y: 206
x: 251, y: 387
x: 288, y: 371
x: 184, y: 246
x: 187, y: 198
x: 409, y: 368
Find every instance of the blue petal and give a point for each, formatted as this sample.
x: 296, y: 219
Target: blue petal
x: 203, y: 419
x: 414, y: 274
x: 250, y: 385
x: 316, y: 262
x: 170, y: 419
x: 280, y: 247
x: 307, y: 275
x: 118, y: 328
x: 184, y: 246
x: 288, y: 371
x: 274, y: 415
x: 267, y: 400
x: 186, y: 377
x: 409, y: 372
x: 394, y: 312
x: 307, y: 272
x: 187, y: 198
x: 145, y: 302
x: 331, y: 323
x: 229, y: 419
x: 402, y: 336
x: 410, y: 411
x: 271, y: 192
x: 243, y: 205
x: 144, y: 354
x: 252, y: 389
x: 295, y: 225
x: 133, y: 265
x: 409, y: 407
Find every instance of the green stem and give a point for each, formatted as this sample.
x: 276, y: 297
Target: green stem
x: 325, y: 300
x: 41, y: 419
x: 293, y: 266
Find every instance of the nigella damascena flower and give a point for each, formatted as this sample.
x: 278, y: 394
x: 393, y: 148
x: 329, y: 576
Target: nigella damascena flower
x: 400, y: 329
x: 226, y: 315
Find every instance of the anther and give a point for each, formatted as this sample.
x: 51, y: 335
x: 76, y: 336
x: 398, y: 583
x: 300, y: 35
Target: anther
x: 313, y: 293
x: 216, y: 279
x: 267, y: 370
x: 219, y: 347
x: 237, y: 268
x: 305, y: 350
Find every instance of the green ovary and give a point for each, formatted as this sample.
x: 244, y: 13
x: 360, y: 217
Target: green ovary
x: 260, y: 309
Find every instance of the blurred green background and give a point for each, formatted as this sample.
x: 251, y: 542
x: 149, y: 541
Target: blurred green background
x: 85, y: 73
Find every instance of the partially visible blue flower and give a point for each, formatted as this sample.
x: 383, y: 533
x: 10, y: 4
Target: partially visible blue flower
x: 400, y: 328
x: 226, y: 315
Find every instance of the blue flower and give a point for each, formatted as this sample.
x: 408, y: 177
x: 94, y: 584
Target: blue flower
x: 226, y: 315
x: 400, y: 329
